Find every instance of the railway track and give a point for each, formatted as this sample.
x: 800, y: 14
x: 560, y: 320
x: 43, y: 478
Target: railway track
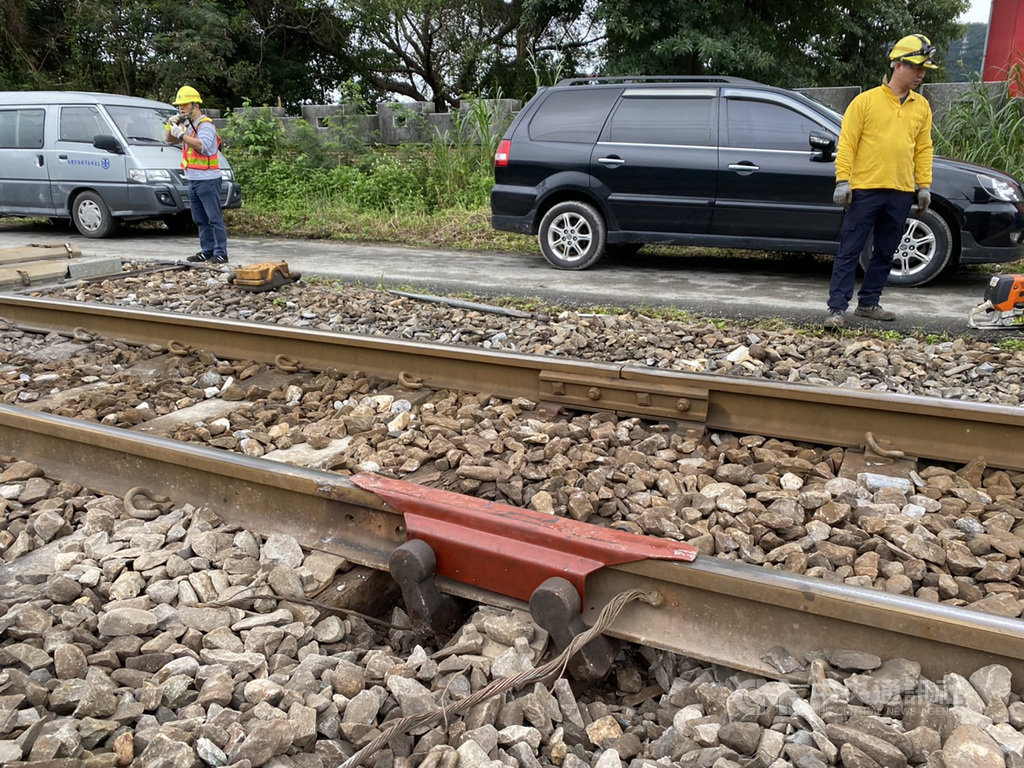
x: 926, y: 428
x: 711, y: 609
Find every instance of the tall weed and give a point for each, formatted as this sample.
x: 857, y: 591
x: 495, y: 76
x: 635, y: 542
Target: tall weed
x: 985, y: 126
x: 460, y: 161
x: 288, y: 171
x: 391, y: 184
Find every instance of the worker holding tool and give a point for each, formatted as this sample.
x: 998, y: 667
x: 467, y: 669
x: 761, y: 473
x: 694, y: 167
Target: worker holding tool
x: 200, y: 154
x: 883, y: 167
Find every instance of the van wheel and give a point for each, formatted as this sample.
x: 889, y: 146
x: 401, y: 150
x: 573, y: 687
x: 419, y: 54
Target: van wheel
x: 91, y: 216
x: 924, y: 251
x: 572, y: 235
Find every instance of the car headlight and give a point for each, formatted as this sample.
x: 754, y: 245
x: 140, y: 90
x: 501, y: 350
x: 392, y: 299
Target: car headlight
x: 227, y: 174
x: 999, y: 189
x: 145, y: 175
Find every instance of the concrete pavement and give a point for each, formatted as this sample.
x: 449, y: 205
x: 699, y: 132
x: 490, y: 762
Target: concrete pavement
x: 792, y: 288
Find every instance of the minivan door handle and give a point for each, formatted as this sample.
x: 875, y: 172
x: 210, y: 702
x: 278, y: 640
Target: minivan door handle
x: 611, y: 160
x: 39, y: 161
x: 744, y: 167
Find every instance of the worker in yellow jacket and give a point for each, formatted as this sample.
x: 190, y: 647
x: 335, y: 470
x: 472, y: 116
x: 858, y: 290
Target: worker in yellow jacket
x: 883, y: 167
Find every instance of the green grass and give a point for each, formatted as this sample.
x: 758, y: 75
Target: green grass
x: 463, y: 230
x: 1014, y: 345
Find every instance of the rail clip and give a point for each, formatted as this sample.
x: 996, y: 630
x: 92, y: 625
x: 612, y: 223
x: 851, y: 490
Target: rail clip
x: 511, y: 550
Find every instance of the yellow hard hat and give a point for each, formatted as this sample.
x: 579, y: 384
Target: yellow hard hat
x: 914, y: 49
x: 187, y: 95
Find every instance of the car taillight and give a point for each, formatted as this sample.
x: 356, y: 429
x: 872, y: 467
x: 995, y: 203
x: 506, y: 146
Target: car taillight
x: 501, y: 154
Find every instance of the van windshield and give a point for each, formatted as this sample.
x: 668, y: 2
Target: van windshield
x: 140, y: 125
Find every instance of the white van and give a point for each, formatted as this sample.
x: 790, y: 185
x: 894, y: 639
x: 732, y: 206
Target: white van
x: 96, y: 158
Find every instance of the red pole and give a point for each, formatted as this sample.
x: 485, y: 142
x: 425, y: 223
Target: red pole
x: 1004, y: 50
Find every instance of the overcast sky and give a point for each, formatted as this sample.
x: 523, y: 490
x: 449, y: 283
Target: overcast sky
x: 978, y: 12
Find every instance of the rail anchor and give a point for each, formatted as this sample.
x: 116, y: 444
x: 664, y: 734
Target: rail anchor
x: 555, y: 606
x: 414, y: 566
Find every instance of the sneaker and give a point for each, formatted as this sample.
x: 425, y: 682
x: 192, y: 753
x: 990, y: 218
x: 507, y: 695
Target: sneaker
x: 208, y: 258
x: 875, y: 313
x: 835, y: 319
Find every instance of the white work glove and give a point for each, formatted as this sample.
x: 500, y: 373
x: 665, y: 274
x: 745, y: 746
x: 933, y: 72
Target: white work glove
x: 842, y: 195
x: 924, y: 199
x: 177, y: 130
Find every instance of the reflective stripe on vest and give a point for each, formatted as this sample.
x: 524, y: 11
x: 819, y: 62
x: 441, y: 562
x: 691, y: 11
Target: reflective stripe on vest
x: 196, y: 160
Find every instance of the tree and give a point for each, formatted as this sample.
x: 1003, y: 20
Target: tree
x: 290, y: 52
x: 797, y: 43
x: 439, y: 50
x: 36, y: 44
x: 262, y: 51
x: 964, y: 60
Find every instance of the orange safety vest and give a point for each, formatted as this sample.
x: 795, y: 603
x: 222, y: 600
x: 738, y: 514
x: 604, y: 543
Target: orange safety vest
x: 196, y: 160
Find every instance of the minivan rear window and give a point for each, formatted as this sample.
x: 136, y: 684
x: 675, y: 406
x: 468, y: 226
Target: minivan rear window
x: 21, y: 128
x: 573, y: 115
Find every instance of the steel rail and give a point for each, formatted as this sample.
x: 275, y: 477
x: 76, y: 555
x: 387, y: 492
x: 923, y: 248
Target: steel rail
x: 932, y: 428
x: 720, y: 611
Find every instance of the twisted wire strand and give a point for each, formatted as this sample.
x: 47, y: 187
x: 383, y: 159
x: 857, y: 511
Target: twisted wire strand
x: 557, y: 665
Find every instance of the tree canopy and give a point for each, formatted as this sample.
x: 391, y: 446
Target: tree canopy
x: 263, y: 51
x: 790, y: 43
x: 290, y: 52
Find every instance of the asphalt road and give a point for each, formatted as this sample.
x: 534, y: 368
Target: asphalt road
x: 791, y: 287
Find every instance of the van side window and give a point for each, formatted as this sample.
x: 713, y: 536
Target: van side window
x: 80, y: 124
x: 21, y: 128
x: 756, y: 124
x: 675, y: 121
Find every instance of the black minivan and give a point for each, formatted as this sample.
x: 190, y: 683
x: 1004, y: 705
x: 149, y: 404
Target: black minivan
x: 598, y: 165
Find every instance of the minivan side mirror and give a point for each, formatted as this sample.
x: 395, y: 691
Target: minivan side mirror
x: 107, y: 142
x: 823, y: 145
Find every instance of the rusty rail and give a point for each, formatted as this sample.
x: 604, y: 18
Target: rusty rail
x: 725, y: 612
x: 932, y: 428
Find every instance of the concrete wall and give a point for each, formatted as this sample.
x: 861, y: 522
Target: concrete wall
x: 836, y: 98
x: 394, y: 122
x: 397, y: 123
x: 939, y: 95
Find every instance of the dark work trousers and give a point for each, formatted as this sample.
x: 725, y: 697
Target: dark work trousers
x: 204, y: 196
x: 883, y: 212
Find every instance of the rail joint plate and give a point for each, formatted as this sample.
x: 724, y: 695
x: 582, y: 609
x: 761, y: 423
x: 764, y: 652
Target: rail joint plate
x: 635, y: 396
